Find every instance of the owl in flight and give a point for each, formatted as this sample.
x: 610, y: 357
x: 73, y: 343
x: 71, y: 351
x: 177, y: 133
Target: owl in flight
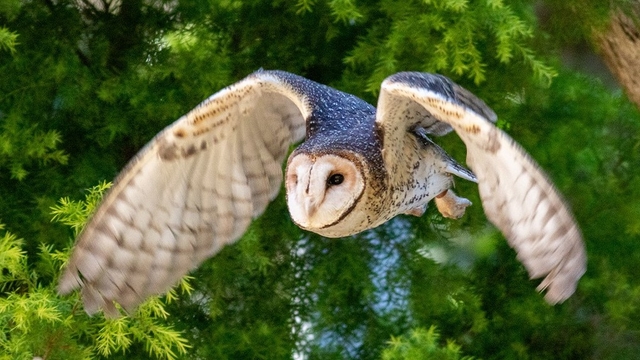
x: 199, y: 183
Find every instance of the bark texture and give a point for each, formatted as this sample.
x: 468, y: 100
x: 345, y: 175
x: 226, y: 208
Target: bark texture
x: 620, y: 47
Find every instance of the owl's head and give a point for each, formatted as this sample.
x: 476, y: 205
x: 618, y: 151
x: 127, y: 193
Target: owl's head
x: 322, y: 190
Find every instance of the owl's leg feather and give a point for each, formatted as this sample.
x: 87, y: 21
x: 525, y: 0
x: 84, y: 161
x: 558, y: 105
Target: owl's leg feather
x: 417, y: 211
x: 450, y: 205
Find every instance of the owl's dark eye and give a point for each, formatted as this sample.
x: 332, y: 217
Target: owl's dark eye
x: 335, y: 179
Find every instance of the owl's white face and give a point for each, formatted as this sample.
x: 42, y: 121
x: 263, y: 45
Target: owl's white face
x: 322, y: 190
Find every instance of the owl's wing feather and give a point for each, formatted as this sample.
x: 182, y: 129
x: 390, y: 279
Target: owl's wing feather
x: 193, y: 189
x: 516, y: 194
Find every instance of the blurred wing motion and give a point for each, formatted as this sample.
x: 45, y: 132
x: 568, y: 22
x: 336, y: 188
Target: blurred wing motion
x: 516, y: 195
x: 193, y: 189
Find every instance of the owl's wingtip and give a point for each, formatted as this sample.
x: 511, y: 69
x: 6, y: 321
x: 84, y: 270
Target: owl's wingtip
x: 562, y: 282
x: 68, y: 282
x: 556, y: 294
x: 94, y: 301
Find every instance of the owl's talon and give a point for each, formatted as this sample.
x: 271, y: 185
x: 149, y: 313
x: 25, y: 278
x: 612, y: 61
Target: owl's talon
x: 450, y: 205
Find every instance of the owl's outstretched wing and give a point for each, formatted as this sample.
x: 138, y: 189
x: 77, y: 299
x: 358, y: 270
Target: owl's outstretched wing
x: 193, y: 189
x: 516, y: 194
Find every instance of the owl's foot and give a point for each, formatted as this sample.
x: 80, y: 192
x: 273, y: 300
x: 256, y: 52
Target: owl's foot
x: 450, y: 205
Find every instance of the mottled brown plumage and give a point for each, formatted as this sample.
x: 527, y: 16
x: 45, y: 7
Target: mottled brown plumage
x: 199, y: 183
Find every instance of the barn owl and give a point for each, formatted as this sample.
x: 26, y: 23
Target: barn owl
x: 199, y: 183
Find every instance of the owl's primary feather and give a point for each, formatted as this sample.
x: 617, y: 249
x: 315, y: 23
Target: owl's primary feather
x: 198, y: 184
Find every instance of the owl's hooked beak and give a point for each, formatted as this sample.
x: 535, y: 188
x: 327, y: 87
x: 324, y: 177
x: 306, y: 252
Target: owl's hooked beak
x: 310, y: 205
x: 304, y: 185
x: 313, y: 193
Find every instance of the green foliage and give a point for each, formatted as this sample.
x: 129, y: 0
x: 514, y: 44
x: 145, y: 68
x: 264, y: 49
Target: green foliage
x: 22, y: 147
x: 8, y: 40
x: 575, y: 24
x: 35, y: 321
x: 422, y: 344
x: 10, y: 8
x: 456, y: 37
x: 83, y: 89
x: 75, y: 213
x: 344, y: 10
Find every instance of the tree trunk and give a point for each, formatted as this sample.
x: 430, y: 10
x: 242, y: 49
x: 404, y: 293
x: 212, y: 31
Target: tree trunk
x: 620, y: 47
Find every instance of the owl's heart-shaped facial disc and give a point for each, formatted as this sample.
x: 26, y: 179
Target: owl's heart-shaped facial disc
x: 322, y: 190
